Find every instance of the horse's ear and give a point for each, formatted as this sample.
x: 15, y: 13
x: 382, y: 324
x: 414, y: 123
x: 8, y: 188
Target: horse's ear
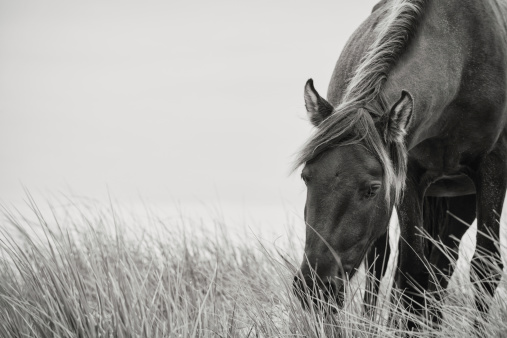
x: 399, y: 119
x: 318, y: 109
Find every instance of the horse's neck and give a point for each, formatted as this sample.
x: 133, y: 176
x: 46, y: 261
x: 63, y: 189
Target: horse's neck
x: 432, y: 67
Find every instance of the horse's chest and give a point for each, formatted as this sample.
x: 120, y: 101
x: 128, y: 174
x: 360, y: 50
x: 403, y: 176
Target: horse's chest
x: 442, y: 169
x: 438, y: 156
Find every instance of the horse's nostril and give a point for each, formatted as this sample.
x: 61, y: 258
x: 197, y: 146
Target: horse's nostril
x: 330, y: 287
x: 302, y: 290
x: 297, y: 285
x: 296, y: 280
x: 301, y: 285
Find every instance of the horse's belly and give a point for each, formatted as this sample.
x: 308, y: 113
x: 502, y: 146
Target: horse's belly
x: 451, y: 186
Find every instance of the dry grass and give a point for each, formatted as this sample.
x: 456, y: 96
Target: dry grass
x: 87, y: 272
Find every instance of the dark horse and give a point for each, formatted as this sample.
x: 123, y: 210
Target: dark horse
x: 416, y: 118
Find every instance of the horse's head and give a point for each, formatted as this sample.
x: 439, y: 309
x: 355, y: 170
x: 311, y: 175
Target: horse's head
x: 350, y: 190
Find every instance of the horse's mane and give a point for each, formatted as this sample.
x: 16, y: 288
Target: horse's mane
x: 363, y: 104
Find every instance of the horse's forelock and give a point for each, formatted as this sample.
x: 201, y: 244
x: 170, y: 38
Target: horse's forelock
x: 357, y: 128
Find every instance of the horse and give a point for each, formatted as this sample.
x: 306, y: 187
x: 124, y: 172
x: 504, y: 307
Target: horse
x: 415, y: 118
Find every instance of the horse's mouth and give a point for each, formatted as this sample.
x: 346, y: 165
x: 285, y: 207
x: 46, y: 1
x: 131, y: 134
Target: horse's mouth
x: 326, y: 306
x: 325, y: 301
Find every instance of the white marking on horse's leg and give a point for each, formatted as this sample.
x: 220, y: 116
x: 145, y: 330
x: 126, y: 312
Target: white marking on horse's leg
x: 501, y: 291
x: 461, y: 275
x: 386, y: 284
x: 503, y: 235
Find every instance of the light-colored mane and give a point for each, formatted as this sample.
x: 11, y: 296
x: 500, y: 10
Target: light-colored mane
x: 363, y: 107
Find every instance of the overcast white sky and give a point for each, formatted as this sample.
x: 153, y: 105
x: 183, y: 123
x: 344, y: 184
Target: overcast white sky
x: 171, y: 100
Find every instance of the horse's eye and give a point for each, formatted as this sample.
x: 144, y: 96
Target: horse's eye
x: 305, y: 178
x: 372, y: 190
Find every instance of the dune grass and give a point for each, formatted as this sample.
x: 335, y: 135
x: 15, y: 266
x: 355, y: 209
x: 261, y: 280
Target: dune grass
x: 94, y: 272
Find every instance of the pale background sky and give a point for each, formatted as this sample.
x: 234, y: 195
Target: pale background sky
x: 169, y: 100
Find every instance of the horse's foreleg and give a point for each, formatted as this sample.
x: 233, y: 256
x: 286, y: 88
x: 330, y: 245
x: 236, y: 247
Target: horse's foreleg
x: 376, y: 264
x: 491, y: 182
x: 412, y: 274
x: 460, y: 210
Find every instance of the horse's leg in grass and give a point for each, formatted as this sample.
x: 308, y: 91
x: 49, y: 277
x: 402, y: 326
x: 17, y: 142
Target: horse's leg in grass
x: 460, y: 213
x: 412, y: 274
x: 376, y: 264
x: 490, y: 182
x: 457, y: 211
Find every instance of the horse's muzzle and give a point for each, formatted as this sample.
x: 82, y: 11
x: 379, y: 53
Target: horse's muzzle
x: 324, y: 296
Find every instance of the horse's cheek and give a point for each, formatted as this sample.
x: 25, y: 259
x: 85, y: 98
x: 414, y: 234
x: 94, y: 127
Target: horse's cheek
x: 350, y: 235
x: 377, y: 219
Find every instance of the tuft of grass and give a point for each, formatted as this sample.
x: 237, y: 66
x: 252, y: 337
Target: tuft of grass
x: 96, y: 271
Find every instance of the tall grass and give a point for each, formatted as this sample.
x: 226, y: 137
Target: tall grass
x: 94, y: 272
